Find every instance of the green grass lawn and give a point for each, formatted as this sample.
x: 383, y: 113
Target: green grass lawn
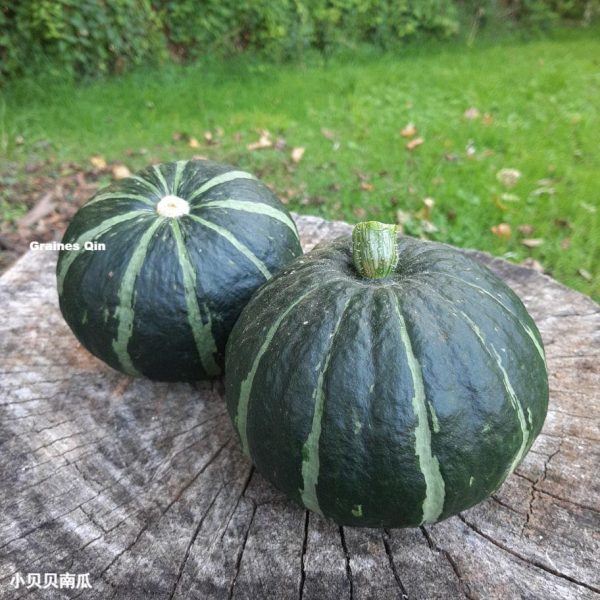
x: 539, y: 113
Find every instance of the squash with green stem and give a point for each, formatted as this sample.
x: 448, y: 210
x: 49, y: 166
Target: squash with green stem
x: 384, y: 381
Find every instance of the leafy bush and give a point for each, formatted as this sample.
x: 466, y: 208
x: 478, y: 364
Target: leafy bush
x: 533, y: 12
x: 286, y: 28
x: 81, y: 37
x: 91, y: 37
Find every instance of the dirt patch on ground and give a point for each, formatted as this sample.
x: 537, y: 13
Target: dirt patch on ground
x: 37, y: 202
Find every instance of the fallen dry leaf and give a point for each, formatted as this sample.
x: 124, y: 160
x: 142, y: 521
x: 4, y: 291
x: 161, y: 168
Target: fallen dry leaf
x: 264, y: 141
x: 425, y: 212
x: 120, y: 172
x: 403, y: 217
x: 280, y: 143
x: 536, y: 265
x: 532, y: 242
x: 470, y: 150
x: 366, y: 186
x: 98, y: 162
x: 471, y: 113
x: 415, y: 143
x: 194, y: 143
x: 585, y: 274
x: 487, y: 119
x: 502, y: 230
x: 297, y: 154
x: 208, y: 137
x: 525, y: 229
x: 508, y: 177
x: 428, y: 226
x: 409, y: 130
x: 565, y: 243
x: 543, y: 191
x: 360, y: 212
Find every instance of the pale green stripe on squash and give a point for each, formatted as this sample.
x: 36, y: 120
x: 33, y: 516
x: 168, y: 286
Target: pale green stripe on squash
x: 242, y: 248
x: 310, y: 451
x: 203, y: 337
x: 119, y: 196
x: 218, y: 180
x: 241, y: 417
x: 147, y: 183
x: 517, y: 406
x: 179, y: 168
x: 257, y: 208
x: 89, y: 236
x: 161, y: 178
x: 527, y: 329
x: 124, y: 312
x: 434, y: 420
x: 435, y: 489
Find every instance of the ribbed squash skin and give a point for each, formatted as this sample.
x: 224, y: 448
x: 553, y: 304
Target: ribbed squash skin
x: 391, y: 402
x: 161, y: 300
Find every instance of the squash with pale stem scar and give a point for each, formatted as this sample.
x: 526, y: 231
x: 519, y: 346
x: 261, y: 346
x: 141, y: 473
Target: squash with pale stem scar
x: 185, y: 246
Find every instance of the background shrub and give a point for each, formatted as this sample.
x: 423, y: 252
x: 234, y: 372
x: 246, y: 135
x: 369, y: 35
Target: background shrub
x: 80, y: 37
x: 95, y: 37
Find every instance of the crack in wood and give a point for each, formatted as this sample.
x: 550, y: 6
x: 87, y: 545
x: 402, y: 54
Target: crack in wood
x: 501, y: 503
x: 237, y: 502
x: 60, y: 439
x: 40, y: 526
x: 66, y: 464
x: 567, y: 501
x: 386, y: 537
x: 534, y: 487
x: 348, y: 566
x: 303, y: 555
x: 36, y: 399
x: 183, y: 489
x: 434, y: 547
x: 191, y: 543
x: 238, y: 560
x: 535, y: 563
x: 125, y: 550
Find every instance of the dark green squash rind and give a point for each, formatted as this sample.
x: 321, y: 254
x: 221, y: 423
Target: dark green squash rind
x: 370, y: 473
x: 162, y: 344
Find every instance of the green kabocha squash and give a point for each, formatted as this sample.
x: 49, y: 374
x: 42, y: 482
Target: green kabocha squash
x: 185, y: 246
x: 384, y: 381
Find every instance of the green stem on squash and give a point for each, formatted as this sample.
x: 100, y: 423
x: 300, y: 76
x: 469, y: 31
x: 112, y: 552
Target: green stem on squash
x: 374, y: 249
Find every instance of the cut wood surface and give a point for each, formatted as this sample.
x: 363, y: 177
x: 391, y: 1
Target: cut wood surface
x: 143, y: 485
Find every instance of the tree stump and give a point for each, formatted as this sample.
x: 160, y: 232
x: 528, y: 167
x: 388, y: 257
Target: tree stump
x: 143, y: 485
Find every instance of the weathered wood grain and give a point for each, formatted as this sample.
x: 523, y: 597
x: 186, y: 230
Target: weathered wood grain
x: 143, y: 484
